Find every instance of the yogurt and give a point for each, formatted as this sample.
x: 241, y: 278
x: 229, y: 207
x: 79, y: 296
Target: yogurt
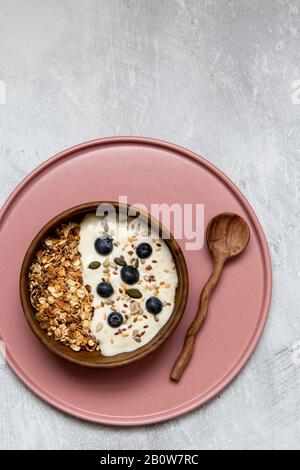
x: 157, y: 278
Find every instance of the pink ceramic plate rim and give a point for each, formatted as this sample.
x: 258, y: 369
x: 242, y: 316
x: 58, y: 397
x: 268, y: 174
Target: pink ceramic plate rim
x: 227, y: 378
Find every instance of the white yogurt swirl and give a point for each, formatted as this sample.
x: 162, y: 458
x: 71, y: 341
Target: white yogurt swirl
x: 158, y: 277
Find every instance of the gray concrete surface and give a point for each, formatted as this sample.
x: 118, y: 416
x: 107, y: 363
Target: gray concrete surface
x: 220, y: 77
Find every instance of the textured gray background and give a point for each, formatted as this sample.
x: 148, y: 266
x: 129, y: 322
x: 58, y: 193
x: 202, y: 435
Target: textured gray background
x: 215, y: 76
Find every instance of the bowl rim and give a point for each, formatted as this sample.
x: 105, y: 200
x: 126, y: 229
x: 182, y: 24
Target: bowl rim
x: 121, y: 359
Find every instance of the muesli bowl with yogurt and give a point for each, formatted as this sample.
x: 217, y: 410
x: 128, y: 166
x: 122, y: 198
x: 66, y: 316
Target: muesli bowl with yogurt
x: 103, y: 288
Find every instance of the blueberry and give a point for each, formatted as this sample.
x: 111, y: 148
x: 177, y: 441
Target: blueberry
x: 104, y: 245
x: 144, y: 250
x: 115, y: 319
x: 130, y: 275
x: 105, y: 289
x: 154, y: 305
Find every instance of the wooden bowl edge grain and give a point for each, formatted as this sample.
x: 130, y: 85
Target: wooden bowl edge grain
x: 95, y: 359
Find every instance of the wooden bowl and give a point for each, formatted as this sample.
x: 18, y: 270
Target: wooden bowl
x: 96, y: 359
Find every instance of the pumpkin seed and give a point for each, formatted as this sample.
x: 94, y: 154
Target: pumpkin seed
x: 94, y: 265
x: 134, y: 293
x: 120, y: 261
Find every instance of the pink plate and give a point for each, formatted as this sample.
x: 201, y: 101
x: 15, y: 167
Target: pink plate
x: 147, y: 171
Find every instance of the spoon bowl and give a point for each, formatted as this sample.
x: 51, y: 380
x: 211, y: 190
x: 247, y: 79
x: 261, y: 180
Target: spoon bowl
x: 227, y: 235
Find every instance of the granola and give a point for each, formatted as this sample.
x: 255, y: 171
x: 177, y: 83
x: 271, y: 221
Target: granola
x: 63, y: 304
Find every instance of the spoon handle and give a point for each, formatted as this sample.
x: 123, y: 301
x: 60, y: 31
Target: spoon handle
x: 188, y: 347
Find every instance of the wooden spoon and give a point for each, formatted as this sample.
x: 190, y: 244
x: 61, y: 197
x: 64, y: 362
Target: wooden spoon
x: 227, y: 236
